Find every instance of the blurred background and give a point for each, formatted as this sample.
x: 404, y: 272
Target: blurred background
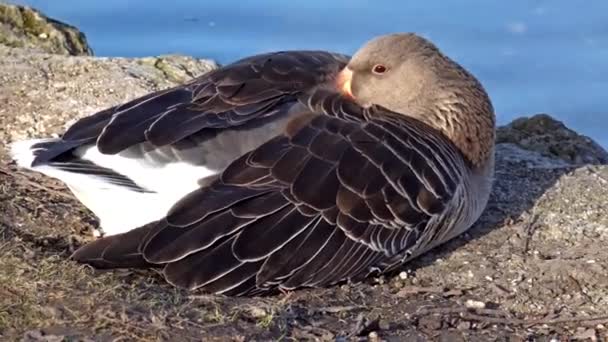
x: 532, y: 56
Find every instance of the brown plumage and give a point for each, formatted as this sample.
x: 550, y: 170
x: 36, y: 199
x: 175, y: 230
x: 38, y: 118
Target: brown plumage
x: 351, y: 172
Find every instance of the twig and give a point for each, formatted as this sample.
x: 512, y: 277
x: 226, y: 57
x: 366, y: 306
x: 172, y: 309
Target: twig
x: 413, y: 290
x: 338, y: 309
x: 530, y: 229
x: 410, y: 290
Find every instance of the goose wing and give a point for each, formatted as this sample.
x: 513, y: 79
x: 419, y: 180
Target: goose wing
x: 244, y: 94
x: 344, y: 190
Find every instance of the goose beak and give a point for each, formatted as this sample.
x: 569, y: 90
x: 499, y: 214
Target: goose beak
x: 344, y: 80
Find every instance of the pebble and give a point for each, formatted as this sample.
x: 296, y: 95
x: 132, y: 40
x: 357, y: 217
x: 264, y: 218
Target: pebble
x: 475, y: 304
x: 464, y: 325
x: 257, y: 312
x: 430, y: 322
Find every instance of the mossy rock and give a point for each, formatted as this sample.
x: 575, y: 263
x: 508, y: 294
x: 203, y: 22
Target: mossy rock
x: 25, y: 27
x: 550, y: 137
x: 176, y: 68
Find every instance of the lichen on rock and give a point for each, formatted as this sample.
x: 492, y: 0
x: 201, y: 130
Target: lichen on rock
x: 175, y: 68
x: 25, y: 27
x: 552, y: 138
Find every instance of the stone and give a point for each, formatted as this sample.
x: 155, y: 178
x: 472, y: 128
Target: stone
x: 22, y: 26
x: 551, y: 138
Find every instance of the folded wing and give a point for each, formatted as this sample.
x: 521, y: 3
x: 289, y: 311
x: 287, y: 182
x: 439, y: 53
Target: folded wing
x: 343, y: 191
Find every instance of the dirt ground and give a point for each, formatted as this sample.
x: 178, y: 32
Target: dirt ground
x: 535, y: 267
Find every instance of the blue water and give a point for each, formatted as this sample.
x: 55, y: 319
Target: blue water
x: 532, y: 55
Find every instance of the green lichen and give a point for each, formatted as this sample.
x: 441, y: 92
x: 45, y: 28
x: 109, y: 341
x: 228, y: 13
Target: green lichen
x: 32, y: 22
x: 171, y: 71
x: 22, y: 26
x: 10, y: 15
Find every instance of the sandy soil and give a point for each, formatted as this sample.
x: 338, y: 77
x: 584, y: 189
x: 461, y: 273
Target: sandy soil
x: 535, y: 267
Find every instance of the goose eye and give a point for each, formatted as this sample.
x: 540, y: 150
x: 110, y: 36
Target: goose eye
x: 379, y: 69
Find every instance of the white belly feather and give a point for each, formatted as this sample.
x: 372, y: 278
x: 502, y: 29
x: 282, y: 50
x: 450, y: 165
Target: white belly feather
x: 118, y: 208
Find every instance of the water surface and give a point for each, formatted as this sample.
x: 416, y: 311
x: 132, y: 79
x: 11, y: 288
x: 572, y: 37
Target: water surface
x: 532, y: 55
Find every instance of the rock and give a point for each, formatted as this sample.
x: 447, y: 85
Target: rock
x: 552, y: 138
x: 43, y: 93
x: 531, y: 159
x: 463, y: 325
x: 176, y: 68
x: 22, y: 26
x: 430, y: 323
x: 475, y: 304
x: 577, y: 201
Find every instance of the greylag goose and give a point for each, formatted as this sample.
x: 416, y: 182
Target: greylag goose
x: 283, y: 170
